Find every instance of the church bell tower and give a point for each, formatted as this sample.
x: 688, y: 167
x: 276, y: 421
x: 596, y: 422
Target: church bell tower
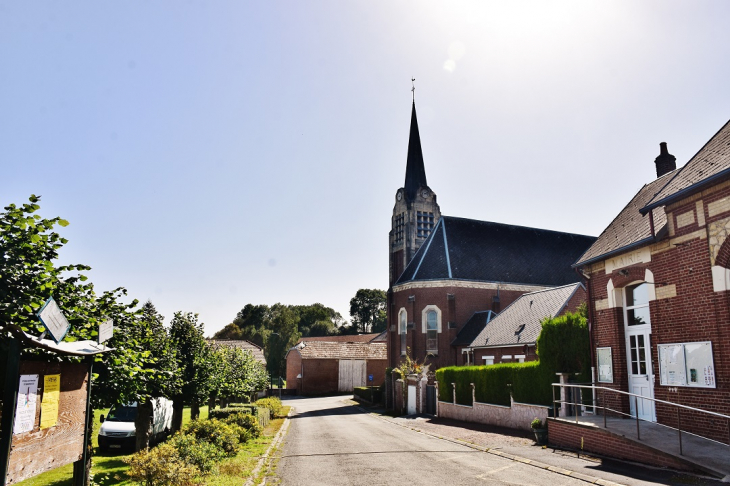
x: 416, y: 212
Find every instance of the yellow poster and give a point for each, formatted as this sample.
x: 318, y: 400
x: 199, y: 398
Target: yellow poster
x: 49, y: 404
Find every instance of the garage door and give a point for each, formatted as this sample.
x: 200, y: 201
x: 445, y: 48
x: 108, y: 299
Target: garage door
x: 352, y: 374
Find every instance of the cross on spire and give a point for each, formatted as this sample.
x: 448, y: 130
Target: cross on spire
x: 413, y: 89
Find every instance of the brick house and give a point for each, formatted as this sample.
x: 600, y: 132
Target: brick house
x: 658, y: 280
x: 511, y: 336
x: 319, y: 367
x: 444, y: 269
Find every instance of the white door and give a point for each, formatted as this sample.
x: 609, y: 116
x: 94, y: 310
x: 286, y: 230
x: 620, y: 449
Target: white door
x: 411, y: 399
x: 351, y: 374
x: 638, y: 351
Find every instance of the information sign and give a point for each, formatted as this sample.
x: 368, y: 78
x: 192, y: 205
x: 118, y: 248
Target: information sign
x: 49, y: 403
x: 605, y: 365
x: 106, y: 330
x: 25, y: 407
x: 54, y: 320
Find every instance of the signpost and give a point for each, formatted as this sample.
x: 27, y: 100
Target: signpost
x: 54, y: 320
x: 106, y: 330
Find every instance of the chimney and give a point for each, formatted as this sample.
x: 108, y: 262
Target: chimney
x: 665, y: 162
x: 496, y: 305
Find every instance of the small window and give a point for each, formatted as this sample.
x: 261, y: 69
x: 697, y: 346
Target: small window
x: 432, y: 332
x: 520, y: 358
x: 637, y: 305
x: 507, y: 358
x: 403, y: 331
x: 488, y: 360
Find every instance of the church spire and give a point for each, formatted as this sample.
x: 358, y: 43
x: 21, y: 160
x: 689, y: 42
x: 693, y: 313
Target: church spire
x: 415, y: 170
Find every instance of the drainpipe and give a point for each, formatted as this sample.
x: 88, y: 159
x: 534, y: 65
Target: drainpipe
x: 589, y: 303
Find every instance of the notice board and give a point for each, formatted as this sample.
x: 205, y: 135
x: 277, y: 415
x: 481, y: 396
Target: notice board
x: 41, y: 449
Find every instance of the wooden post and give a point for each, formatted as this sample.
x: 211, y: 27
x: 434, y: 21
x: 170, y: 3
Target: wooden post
x: 10, y: 396
x: 82, y: 468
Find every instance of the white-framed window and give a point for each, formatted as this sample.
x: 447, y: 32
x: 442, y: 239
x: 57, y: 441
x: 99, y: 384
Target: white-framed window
x: 403, y: 330
x: 488, y: 360
x: 520, y: 358
x: 637, y: 304
x: 506, y: 358
x: 431, y: 327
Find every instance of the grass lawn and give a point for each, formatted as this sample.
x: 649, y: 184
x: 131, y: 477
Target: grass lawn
x: 108, y: 469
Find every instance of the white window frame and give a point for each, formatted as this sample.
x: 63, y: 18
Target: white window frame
x: 504, y: 357
x: 424, y: 325
x: 488, y: 358
x: 520, y: 358
x: 403, y: 330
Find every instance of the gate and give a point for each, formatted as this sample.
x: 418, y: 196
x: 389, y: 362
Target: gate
x: 430, y: 408
x: 351, y: 374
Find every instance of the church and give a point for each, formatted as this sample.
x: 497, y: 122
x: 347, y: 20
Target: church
x: 444, y: 269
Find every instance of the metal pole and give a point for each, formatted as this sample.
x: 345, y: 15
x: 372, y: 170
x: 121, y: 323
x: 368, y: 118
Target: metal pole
x: 605, y: 408
x: 555, y: 407
x: 636, y: 409
x: 679, y: 429
x: 80, y: 473
x: 10, y: 397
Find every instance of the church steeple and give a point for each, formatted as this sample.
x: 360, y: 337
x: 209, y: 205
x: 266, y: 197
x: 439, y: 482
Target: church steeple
x: 415, y: 170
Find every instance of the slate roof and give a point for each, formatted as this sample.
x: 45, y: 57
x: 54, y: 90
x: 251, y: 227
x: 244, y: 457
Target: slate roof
x: 415, y: 169
x: 711, y: 162
x: 467, y: 249
x: 335, y: 350
x: 629, y: 228
x: 257, y: 351
x: 472, y: 328
x: 528, y: 310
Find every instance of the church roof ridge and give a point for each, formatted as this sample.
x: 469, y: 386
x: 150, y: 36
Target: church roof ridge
x: 515, y: 226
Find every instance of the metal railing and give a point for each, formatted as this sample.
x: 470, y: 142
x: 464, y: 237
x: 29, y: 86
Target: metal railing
x: 603, y: 390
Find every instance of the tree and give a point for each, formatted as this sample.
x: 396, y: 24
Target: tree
x: 235, y: 373
x: 191, y: 353
x: 367, y: 310
x: 283, y: 335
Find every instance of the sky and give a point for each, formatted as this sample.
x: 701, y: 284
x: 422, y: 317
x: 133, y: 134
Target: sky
x: 213, y: 154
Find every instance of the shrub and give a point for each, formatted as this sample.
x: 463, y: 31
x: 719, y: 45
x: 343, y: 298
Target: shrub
x: 224, y: 413
x: 198, y: 453
x: 215, y: 432
x: 536, y: 423
x: 248, y: 423
x: 272, y: 403
x: 532, y: 383
x: 161, y: 465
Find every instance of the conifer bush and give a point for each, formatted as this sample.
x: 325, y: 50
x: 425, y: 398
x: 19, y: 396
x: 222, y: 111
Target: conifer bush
x: 215, y: 432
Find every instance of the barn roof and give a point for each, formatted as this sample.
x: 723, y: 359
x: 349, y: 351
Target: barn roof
x: 339, y: 350
x: 257, y: 351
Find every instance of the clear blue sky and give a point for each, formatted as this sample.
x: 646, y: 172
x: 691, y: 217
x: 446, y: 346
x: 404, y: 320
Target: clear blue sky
x: 212, y: 154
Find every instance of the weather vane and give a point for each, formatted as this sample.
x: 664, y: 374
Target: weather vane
x: 413, y: 89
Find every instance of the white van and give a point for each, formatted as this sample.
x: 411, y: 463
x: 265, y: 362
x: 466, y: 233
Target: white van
x: 117, y: 428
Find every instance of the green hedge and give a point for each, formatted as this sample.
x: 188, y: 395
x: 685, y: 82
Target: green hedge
x: 372, y: 394
x: 563, y: 346
x: 262, y: 414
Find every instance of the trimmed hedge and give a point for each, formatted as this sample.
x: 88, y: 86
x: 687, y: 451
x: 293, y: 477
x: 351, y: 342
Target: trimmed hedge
x: 563, y: 346
x: 262, y: 414
x: 372, y: 394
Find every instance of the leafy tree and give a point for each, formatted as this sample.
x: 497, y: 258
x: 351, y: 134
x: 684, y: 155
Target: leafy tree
x: 187, y: 335
x: 367, y: 310
x: 235, y: 373
x: 283, y: 335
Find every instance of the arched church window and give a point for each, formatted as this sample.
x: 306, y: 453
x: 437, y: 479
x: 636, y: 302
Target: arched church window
x: 403, y: 331
x: 432, y: 332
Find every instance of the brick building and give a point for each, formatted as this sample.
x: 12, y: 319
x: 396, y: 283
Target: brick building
x: 658, y: 280
x: 322, y: 366
x: 444, y: 269
x: 511, y: 336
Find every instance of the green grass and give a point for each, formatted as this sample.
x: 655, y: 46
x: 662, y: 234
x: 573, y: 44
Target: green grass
x: 109, y: 469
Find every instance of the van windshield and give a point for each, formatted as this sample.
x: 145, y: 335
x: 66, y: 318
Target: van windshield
x: 122, y: 414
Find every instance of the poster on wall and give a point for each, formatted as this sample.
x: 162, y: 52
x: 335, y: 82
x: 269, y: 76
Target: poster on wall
x: 49, y: 403
x: 687, y: 364
x: 25, y: 406
x: 605, y: 365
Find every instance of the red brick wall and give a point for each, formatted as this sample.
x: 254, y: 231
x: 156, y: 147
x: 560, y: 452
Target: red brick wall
x: 508, y: 351
x: 376, y: 367
x: 599, y: 441
x: 466, y: 301
x: 696, y: 313
x: 320, y: 377
x: 293, y: 368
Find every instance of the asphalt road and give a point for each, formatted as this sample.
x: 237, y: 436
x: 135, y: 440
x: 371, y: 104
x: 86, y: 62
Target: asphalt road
x: 330, y: 442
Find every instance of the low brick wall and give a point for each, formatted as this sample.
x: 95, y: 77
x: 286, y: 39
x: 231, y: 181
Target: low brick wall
x: 517, y: 416
x: 599, y: 441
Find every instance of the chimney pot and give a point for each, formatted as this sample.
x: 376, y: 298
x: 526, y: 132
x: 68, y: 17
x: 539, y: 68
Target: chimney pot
x: 665, y: 162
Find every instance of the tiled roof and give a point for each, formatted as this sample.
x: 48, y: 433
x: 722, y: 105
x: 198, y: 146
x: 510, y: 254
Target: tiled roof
x: 711, y: 161
x: 334, y: 350
x: 352, y: 338
x: 467, y: 249
x: 472, y: 328
x: 629, y: 227
x: 528, y: 310
x: 258, y: 353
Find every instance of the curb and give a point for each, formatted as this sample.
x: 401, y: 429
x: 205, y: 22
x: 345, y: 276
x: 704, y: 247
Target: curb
x: 565, y: 472
x: 274, y: 443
